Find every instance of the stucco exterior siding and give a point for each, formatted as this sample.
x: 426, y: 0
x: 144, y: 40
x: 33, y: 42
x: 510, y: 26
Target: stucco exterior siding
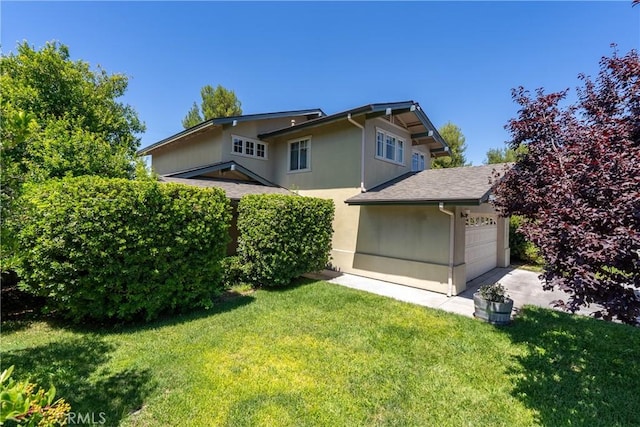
x: 214, y: 145
x: 432, y: 277
x: 345, y: 222
x: 334, y: 159
x: 416, y: 233
x: 504, y: 249
x: 378, y: 171
x: 262, y: 167
x: 199, y: 150
x: 400, y: 244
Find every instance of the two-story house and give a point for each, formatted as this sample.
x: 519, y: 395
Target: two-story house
x: 396, y: 219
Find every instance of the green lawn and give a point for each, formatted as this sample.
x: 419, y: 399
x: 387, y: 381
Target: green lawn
x: 320, y: 354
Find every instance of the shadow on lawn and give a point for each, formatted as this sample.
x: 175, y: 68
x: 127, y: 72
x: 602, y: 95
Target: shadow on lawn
x: 19, y: 308
x: 74, y: 367
x: 577, y: 371
x: 295, y: 284
x: 229, y: 301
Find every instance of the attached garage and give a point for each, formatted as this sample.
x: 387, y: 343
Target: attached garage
x: 481, y: 244
x: 433, y: 229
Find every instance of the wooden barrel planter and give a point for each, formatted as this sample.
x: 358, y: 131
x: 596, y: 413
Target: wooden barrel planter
x: 496, y: 313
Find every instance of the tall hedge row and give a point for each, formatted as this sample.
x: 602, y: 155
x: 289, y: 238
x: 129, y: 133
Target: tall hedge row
x: 117, y: 249
x: 283, y: 237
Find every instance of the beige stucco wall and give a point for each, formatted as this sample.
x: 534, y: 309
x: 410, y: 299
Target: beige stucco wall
x: 504, y: 249
x: 378, y: 171
x: 214, y: 145
x: 416, y: 233
x: 345, y: 223
x: 405, y: 244
x: 335, y: 158
x: 197, y: 150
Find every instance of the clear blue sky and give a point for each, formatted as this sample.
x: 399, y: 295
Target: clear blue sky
x: 458, y: 59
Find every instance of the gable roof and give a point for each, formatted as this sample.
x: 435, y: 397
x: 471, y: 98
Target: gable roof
x: 470, y: 185
x: 418, y: 123
x: 234, y: 189
x: 220, y: 167
x: 229, y: 120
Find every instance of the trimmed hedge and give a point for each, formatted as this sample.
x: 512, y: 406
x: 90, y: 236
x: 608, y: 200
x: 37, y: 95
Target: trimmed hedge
x: 283, y: 237
x: 105, y: 248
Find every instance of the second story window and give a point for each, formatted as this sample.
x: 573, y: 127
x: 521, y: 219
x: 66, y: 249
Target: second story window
x: 248, y: 147
x: 299, y: 155
x: 389, y: 147
x: 417, y: 161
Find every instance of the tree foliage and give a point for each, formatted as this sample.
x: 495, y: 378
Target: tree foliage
x: 578, y: 186
x: 504, y: 155
x: 60, y: 118
x: 452, y: 134
x: 63, y: 117
x: 107, y: 248
x: 218, y: 102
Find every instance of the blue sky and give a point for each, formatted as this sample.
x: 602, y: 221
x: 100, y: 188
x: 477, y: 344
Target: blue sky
x: 458, y: 59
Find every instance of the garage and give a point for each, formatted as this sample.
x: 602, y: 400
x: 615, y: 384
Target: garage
x: 434, y: 229
x: 481, y: 244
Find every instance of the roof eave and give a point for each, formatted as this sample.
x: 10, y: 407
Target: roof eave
x: 446, y: 150
x: 219, y: 121
x: 195, y: 129
x: 414, y: 202
x: 368, y: 109
x: 195, y: 172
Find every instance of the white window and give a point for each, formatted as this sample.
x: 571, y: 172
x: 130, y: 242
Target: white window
x: 417, y: 161
x: 300, y: 155
x: 237, y: 145
x: 379, y: 143
x: 248, y: 147
x: 389, y: 147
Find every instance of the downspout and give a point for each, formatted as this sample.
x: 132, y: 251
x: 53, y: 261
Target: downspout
x: 451, y: 241
x: 353, y: 122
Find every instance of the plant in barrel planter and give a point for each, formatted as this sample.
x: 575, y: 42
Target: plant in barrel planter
x: 492, y: 304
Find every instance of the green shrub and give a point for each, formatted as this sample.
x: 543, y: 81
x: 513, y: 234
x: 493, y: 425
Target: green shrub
x: 117, y: 249
x: 24, y: 406
x: 521, y: 248
x: 283, y: 237
x: 232, y: 271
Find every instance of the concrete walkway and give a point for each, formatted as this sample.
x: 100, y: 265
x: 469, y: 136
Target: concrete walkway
x: 523, y: 286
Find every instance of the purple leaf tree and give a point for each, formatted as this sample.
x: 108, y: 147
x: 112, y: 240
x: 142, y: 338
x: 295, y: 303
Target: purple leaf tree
x: 578, y: 186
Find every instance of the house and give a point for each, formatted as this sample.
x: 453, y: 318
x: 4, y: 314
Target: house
x: 396, y: 219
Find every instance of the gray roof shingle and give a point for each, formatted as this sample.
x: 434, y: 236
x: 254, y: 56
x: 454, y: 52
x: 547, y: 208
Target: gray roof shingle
x: 234, y: 189
x: 464, y: 185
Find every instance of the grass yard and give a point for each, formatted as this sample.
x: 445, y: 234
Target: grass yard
x: 320, y: 354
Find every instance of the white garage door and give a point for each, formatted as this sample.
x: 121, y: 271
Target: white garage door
x: 481, y: 248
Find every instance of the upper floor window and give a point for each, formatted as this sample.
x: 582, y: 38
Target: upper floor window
x: 417, y: 161
x: 248, y: 147
x: 300, y: 155
x: 389, y: 147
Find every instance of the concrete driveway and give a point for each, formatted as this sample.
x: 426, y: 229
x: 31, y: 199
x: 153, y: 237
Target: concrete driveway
x: 523, y: 286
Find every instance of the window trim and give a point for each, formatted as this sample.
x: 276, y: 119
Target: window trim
x: 244, y: 140
x: 397, y: 150
x: 293, y: 141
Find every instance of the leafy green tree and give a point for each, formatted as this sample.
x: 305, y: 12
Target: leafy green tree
x: 59, y: 118
x: 452, y: 134
x: 193, y: 117
x: 218, y: 102
x: 504, y: 155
